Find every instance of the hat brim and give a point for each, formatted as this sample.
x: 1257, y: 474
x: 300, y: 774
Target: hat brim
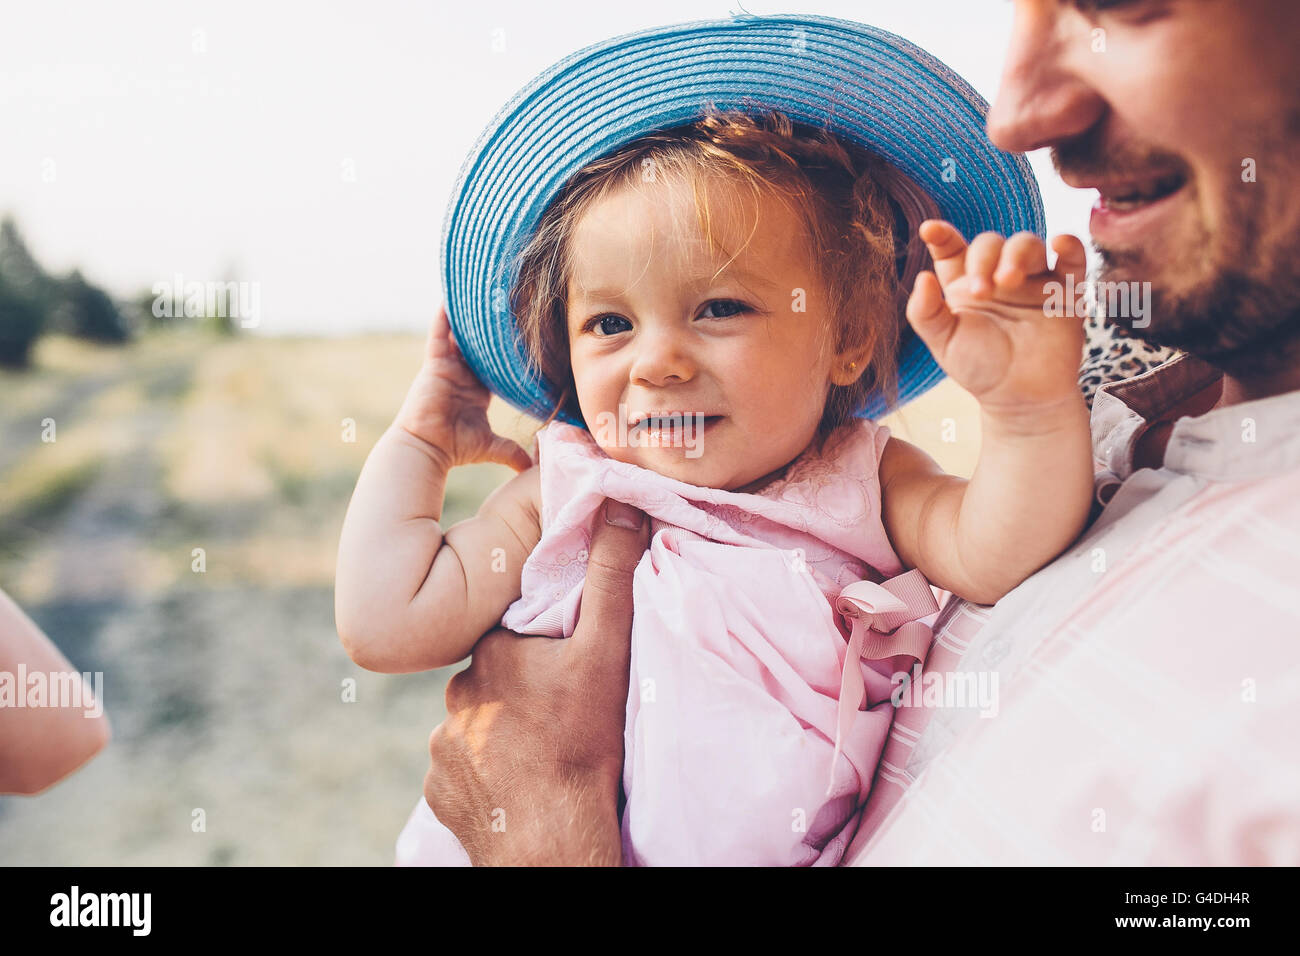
x: 864, y: 84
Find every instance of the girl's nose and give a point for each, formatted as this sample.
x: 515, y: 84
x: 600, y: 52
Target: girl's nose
x: 661, y: 359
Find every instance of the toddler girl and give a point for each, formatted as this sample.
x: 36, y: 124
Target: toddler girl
x: 717, y: 301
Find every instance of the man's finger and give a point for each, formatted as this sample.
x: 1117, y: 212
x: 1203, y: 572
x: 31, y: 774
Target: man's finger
x: 619, y: 538
x: 441, y: 750
x: 457, y: 695
x: 493, y: 656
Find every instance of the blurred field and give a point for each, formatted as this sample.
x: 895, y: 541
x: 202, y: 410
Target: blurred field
x: 225, y: 687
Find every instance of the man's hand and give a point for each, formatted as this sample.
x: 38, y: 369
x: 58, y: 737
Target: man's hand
x: 528, y: 765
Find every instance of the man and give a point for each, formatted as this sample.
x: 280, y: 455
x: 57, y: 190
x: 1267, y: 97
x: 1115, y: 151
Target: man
x: 1148, y: 681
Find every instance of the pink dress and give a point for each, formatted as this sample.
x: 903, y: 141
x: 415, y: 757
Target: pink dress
x: 738, y: 651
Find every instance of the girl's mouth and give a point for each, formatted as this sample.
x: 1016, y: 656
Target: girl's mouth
x: 671, y: 429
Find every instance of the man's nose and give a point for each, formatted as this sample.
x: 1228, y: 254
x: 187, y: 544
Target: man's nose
x: 662, y: 358
x: 1045, y: 97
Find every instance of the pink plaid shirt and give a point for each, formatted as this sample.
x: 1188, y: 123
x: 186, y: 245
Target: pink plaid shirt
x: 1138, y: 700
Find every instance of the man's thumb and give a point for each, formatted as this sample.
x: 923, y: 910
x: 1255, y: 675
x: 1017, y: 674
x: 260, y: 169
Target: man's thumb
x: 619, y: 537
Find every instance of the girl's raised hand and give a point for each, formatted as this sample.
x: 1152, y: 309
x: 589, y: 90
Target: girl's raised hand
x: 984, y: 314
x: 446, y: 407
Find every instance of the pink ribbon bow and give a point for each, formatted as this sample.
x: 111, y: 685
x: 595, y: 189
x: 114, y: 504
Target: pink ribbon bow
x: 885, y: 622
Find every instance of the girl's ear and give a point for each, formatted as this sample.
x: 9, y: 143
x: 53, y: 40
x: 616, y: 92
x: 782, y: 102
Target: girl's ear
x: 849, y: 366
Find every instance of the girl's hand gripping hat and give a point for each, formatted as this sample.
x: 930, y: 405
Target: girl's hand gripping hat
x: 863, y: 84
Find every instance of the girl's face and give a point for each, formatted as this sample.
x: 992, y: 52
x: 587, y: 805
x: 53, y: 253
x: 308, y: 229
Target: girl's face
x: 661, y: 323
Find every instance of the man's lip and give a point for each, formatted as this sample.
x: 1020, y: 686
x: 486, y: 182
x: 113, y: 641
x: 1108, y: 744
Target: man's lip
x: 1126, y: 185
x: 1118, y: 228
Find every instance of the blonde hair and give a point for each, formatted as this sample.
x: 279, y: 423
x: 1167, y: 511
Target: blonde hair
x: 841, y: 191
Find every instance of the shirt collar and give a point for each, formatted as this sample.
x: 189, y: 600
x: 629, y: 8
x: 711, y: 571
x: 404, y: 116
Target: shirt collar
x: 1246, y: 440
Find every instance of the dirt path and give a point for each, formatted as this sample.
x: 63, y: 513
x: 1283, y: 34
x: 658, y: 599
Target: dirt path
x: 95, y: 541
x: 20, y: 434
x: 233, y: 739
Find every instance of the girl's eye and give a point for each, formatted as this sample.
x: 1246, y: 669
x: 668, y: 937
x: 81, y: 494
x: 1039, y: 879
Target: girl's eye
x: 607, y: 324
x: 1145, y: 8
x: 723, y: 309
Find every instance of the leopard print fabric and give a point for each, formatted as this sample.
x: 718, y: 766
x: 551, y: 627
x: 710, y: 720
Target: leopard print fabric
x: 1110, y: 353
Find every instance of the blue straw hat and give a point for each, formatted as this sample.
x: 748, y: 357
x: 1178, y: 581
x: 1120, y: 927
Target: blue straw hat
x: 865, y: 85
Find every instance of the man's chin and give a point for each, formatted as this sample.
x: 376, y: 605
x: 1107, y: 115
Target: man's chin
x: 1234, y: 322
x: 1130, y: 273
x: 1176, y: 275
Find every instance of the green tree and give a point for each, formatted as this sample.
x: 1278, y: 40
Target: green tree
x: 21, y: 323
x: 87, y: 312
x: 25, y: 297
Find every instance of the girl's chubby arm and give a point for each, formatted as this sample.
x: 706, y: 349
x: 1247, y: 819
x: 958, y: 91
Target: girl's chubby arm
x: 39, y: 746
x: 985, y: 314
x: 407, y: 597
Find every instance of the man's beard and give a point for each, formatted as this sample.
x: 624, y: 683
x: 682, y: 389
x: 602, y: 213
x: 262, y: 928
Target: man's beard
x: 1244, y: 324
x: 1243, y: 317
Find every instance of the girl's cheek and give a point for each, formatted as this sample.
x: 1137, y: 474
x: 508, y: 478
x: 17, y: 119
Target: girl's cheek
x: 775, y: 358
x: 598, y: 388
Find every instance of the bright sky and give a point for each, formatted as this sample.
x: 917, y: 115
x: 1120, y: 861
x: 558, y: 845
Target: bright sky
x: 314, y: 151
